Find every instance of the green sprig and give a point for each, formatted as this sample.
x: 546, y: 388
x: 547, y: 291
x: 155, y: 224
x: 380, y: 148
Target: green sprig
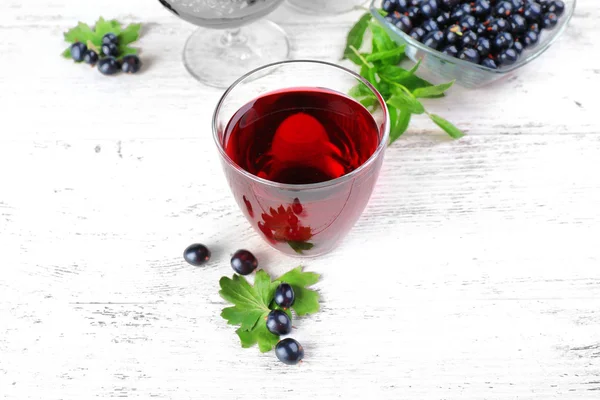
x: 400, y: 87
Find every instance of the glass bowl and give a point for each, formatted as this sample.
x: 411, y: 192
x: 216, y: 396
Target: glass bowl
x: 442, y: 67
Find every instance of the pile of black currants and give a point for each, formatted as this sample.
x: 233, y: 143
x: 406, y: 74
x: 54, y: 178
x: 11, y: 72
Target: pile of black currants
x: 107, y: 60
x: 492, y: 33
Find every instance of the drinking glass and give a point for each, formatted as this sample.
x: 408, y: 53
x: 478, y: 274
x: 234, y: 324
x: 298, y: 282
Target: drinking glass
x: 327, y: 6
x: 300, y: 219
x: 226, y: 47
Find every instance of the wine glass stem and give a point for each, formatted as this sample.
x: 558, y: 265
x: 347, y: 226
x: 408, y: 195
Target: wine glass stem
x: 232, y: 37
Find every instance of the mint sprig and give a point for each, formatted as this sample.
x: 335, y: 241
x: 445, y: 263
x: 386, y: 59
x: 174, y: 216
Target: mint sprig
x: 252, y: 304
x: 92, y: 37
x: 401, y: 88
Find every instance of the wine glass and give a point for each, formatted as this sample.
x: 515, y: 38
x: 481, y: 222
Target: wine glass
x: 283, y: 133
x: 327, y: 6
x: 231, y: 40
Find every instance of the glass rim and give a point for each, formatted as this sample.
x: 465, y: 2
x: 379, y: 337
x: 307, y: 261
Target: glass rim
x: 333, y: 182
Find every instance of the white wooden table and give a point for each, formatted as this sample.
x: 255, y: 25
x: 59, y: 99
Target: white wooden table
x: 473, y: 274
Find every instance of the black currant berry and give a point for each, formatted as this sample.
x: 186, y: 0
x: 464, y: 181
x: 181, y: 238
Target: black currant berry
x: 109, y: 66
x: 78, y: 51
x: 243, y: 262
x: 278, y: 323
x: 196, y: 254
x: 289, y: 351
x: 284, y: 296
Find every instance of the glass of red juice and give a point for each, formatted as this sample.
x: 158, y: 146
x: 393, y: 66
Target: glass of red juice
x: 301, y: 156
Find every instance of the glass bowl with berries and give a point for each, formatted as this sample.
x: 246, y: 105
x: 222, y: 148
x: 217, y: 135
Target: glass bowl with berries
x: 474, y: 42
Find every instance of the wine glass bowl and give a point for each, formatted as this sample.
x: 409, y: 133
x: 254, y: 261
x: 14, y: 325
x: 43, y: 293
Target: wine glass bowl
x: 300, y: 155
x: 232, y: 39
x: 221, y: 14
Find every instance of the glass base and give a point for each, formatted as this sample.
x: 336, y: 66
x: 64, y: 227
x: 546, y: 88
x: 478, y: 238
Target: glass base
x: 327, y: 7
x: 217, y: 58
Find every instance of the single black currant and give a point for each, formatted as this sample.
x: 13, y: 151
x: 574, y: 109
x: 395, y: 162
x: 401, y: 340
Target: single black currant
x: 429, y: 8
x: 488, y: 62
x: 389, y: 6
x: 284, y: 296
x: 451, y: 50
x: 469, y: 55
x: 468, y: 39
x: 289, y: 351
x: 418, y: 33
x: 530, y: 38
x: 535, y: 28
x: 481, y: 28
x: 452, y: 34
x: 502, y: 41
x: 404, y: 24
x: 90, y: 57
x: 413, y: 12
x: 468, y: 22
x: 532, y: 12
x: 196, y: 254
x: 78, y: 51
x: 110, y: 38
x: 433, y: 39
x: 109, y: 66
x: 498, y: 25
x: 482, y: 8
x: 503, y: 9
x: 483, y: 46
x: 430, y: 25
x: 518, y: 47
x: 243, y: 262
x: 110, y: 49
x: 549, y: 21
x: 508, y: 57
x: 556, y: 7
x: 278, y: 323
x: 518, y: 23
x: 131, y: 64
x: 457, y: 14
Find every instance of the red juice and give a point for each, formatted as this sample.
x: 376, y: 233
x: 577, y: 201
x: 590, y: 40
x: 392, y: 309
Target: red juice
x: 302, y: 136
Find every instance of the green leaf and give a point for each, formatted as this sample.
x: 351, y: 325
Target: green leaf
x: 403, y: 101
x: 258, y: 335
x: 448, y: 127
x: 432, y: 91
x: 300, y: 247
x: 129, y: 34
x: 103, y: 27
x: 383, y: 55
x: 401, y: 125
x: 67, y: 53
x: 238, y: 316
x: 81, y: 33
x: 381, y: 40
x: 250, y: 308
x: 307, y: 301
x: 115, y: 26
x: 355, y: 38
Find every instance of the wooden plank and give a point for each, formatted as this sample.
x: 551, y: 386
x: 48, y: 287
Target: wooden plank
x: 473, y: 274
